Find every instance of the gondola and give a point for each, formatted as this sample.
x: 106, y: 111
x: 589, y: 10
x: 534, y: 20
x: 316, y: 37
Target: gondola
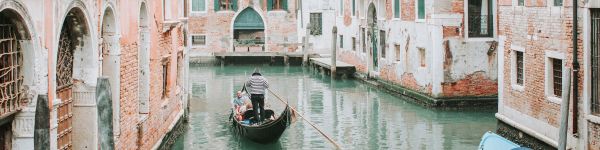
x: 267, y: 132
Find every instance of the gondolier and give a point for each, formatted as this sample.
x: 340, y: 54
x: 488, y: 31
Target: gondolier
x: 256, y: 86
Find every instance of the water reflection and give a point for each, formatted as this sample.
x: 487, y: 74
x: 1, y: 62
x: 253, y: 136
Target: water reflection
x: 355, y: 115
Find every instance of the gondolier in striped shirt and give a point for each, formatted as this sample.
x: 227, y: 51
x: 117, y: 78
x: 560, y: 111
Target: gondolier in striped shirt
x: 257, y: 86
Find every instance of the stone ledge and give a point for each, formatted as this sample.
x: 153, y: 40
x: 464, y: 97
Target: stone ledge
x: 466, y: 102
x: 513, y: 134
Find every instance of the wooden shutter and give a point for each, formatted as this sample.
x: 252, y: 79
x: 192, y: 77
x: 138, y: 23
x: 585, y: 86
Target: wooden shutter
x: 269, y: 5
x: 396, y: 8
x: 284, y: 4
x: 216, y: 4
x: 234, y: 5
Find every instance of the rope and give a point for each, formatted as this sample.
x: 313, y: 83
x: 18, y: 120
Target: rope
x: 307, y: 121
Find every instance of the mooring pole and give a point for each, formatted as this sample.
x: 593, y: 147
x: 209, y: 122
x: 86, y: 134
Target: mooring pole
x: 564, y: 110
x: 41, y: 134
x: 333, y: 52
x: 305, y: 46
x: 105, y: 114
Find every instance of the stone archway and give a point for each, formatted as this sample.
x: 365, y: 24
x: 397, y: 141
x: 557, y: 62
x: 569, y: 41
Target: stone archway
x: 372, y: 38
x: 75, y: 55
x: 144, y: 60
x: 16, y: 77
x: 111, y: 62
x: 248, y: 31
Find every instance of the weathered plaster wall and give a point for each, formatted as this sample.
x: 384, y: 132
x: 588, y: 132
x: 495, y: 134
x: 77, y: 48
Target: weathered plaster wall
x: 453, y: 66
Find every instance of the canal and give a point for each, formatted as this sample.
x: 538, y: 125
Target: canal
x: 355, y: 115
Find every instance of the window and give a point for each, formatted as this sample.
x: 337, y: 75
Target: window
x: 481, y: 19
x: 556, y: 77
x: 422, y: 56
x: 595, y: 60
x: 521, y: 2
x: 198, y: 5
x: 396, y: 8
x: 341, y: 10
x: 558, y: 2
x: 276, y: 5
x: 421, y: 9
x: 353, y: 43
x: 382, y: 43
x: 167, y: 14
x: 519, y: 67
x: 198, y: 40
x: 397, y: 46
x: 353, y: 7
x: 165, y: 78
x: 364, y: 44
x: 225, y: 5
x: 315, y: 24
x: 341, y: 41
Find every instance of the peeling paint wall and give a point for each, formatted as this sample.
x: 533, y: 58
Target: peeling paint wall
x: 452, y: 65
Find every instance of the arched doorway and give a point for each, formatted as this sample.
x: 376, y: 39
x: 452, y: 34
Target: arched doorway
x: 111, y: 62
x: 15, y: 74
x: 248, y: 31
x: 372, y: 37
x: 144, y: 60
x: 74, y: 57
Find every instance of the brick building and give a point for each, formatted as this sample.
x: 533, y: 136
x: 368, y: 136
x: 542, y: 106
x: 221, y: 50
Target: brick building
x: 536, y: 47
x: 217, y: 26
x: 60, y: 49
x: 441, y: 50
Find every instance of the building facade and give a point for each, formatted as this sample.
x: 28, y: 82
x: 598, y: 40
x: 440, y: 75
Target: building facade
x: 61, y: 48
x: 221, y: 26
x: 439, y: 49
x: 536, y: 48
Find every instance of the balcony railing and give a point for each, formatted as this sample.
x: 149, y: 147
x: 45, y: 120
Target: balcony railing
x: 480, y: 26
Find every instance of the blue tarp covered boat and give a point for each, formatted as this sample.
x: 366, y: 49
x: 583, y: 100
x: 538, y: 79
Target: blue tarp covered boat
x: 492, y: 141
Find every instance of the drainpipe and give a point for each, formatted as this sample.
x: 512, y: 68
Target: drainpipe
x: 575, y: 68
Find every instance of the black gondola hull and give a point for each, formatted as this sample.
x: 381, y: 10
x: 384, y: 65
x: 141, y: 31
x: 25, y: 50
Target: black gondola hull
x: 267, y: 132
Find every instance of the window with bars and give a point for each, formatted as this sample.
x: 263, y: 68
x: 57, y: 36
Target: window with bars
x: 595, y: 60
x: 277, y: 5
x: 341, y: 41
x: 198, y: 40
x: 422, y: 56
x: 353, y: 43
x: 225, y: 5
x: 165, y: 77
x: 519, y: 67
x: 11, y: 63
x: 557, y: 70
x: 363, y: 40
x: 382, y: 43
x: 198, y: 5
x: 316, y: 22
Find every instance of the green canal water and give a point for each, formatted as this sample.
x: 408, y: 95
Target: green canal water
x: 355, y: 115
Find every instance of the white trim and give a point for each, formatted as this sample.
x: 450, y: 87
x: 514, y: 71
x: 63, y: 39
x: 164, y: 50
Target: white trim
x: 190, y: 37
x: 593, y: 118
x: 548, y: 79
x: 198, y: 12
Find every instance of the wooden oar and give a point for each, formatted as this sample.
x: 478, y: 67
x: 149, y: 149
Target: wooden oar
x: 307, y: 121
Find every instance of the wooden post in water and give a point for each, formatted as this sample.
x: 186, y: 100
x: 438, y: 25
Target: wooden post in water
x: 333, y: 52
x: 564, y: 110
x: 305, y: 45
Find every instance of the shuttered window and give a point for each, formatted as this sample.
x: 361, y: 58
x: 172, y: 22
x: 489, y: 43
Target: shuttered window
x: 521, y: 2
x: 198, y: 5
x: 396, y: 8
x: 353, y: 43
x: 341, y: 41
x: 277, y: 5
x: 382, y: 43
x: 558, y: 2
x: 341, y: 10
x: 595, y: 60
x: 353, y: 7
x: 421, y: 9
